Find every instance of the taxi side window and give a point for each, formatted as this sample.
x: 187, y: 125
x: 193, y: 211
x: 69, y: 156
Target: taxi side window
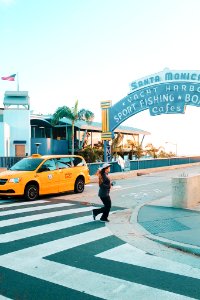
x: 49, y: 165
x: 77, y: 161
x: 64, y: 162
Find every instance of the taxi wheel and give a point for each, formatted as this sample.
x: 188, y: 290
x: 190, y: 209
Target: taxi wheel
x: 31, y: 192
x: 79, y: 185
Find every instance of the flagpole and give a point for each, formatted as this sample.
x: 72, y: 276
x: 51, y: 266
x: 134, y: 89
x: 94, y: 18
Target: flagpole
x: 17, y: 82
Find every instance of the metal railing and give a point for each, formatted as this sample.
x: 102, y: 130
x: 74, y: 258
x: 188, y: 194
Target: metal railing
x: 7, y: 162
x: 146, y: 163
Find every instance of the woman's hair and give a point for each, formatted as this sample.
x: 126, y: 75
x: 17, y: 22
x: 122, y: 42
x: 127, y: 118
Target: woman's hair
x: 100, y: 173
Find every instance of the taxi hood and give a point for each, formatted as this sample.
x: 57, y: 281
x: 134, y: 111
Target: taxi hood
x: 11, y: 174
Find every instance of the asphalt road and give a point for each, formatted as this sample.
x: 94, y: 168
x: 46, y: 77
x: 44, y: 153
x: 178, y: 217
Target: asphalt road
x: 127, y: 193
x: 52, y: 249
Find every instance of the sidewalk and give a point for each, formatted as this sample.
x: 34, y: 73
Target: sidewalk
x: 157, y: 222
x: 157, y: 227
x: 174, y: 227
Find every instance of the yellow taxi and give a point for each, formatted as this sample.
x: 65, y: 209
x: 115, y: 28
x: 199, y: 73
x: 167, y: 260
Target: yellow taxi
x: 41, y: 175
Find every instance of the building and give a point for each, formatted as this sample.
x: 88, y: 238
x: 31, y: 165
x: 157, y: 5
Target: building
x: 24, y: 133
x: 14, y: 124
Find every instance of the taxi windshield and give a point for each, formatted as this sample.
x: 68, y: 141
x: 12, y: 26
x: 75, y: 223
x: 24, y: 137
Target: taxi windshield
x: 27, y: 164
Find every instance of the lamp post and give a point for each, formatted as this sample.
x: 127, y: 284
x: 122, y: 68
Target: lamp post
x: 37, y: 147
x: 172, y: 144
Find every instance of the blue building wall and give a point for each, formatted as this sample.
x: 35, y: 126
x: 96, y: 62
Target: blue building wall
x: 49, y: 146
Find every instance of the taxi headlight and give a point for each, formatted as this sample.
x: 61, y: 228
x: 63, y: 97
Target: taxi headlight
x: 14, y: 180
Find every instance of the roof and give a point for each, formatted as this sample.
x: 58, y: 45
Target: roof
x: 97, y: 126
x: 94, y: 126
x: 16, y: 93
x: 48, y: 156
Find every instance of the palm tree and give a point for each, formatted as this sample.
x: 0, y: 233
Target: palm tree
x: 138, y: 151
x: 117, y: 144
x: 74, y: 115
x: 136, y: 148
x: 152, y: 150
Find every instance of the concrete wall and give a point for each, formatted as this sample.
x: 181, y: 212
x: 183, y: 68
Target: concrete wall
x: 5, y: 139
x: 18, y: 120
x: 186, y: 191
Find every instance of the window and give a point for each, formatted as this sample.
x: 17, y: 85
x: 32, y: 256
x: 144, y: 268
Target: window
x: 50, y: 164
x: 64, y: 162
x: 77, y: 161
x: 26, y: 164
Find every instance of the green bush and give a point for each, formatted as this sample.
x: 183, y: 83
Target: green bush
x: 91, y: 154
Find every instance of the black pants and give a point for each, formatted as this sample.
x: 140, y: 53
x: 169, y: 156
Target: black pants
x: 105, y: 209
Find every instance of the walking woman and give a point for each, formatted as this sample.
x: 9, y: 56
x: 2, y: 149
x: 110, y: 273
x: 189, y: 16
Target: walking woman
x: 104, y: 191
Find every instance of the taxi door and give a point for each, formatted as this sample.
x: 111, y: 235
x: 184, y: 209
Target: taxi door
x: 67, y: 174
x: 48, y: 177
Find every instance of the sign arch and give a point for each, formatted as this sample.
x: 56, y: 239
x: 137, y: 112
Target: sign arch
x: 167, y: 92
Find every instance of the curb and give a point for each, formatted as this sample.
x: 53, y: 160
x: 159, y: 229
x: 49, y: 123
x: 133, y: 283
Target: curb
x: 195, y: 250
x: 176, y: 245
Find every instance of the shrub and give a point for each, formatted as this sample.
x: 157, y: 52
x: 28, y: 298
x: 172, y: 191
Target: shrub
x: 91, y: 154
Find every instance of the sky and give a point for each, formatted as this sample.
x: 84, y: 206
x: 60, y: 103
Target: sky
x: 90, y: 50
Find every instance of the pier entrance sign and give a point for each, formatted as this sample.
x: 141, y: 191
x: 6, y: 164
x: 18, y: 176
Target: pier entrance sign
x: 166, y: 92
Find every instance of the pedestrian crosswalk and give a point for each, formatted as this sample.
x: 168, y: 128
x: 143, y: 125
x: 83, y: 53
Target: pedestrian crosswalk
x: 54, y: 250
x: 47, y: 215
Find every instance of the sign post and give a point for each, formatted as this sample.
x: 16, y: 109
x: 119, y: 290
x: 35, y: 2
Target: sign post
x: 107, y: 152
x: 106, y: 134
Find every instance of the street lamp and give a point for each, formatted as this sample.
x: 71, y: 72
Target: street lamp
x: 172, y: 144
x: 37, y: 147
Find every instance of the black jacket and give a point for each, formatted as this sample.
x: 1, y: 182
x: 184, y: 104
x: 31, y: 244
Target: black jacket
x: 104, y: 187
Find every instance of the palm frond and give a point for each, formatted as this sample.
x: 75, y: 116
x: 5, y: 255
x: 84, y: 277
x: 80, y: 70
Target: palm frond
x: 85, y: 115
x: 75, y: 110
x: 62, y: 112
x: 73, y: 114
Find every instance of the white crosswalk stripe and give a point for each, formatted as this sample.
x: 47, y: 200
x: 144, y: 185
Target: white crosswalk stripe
x: 33, y: 231
x: 4, y: 298
x: 22, y: 210
x: 82, y: 280
x: 42, y: 216
x: 31, y: 260
x: 135, y: 256
x: 11, y: 205
x: 94, y: 284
